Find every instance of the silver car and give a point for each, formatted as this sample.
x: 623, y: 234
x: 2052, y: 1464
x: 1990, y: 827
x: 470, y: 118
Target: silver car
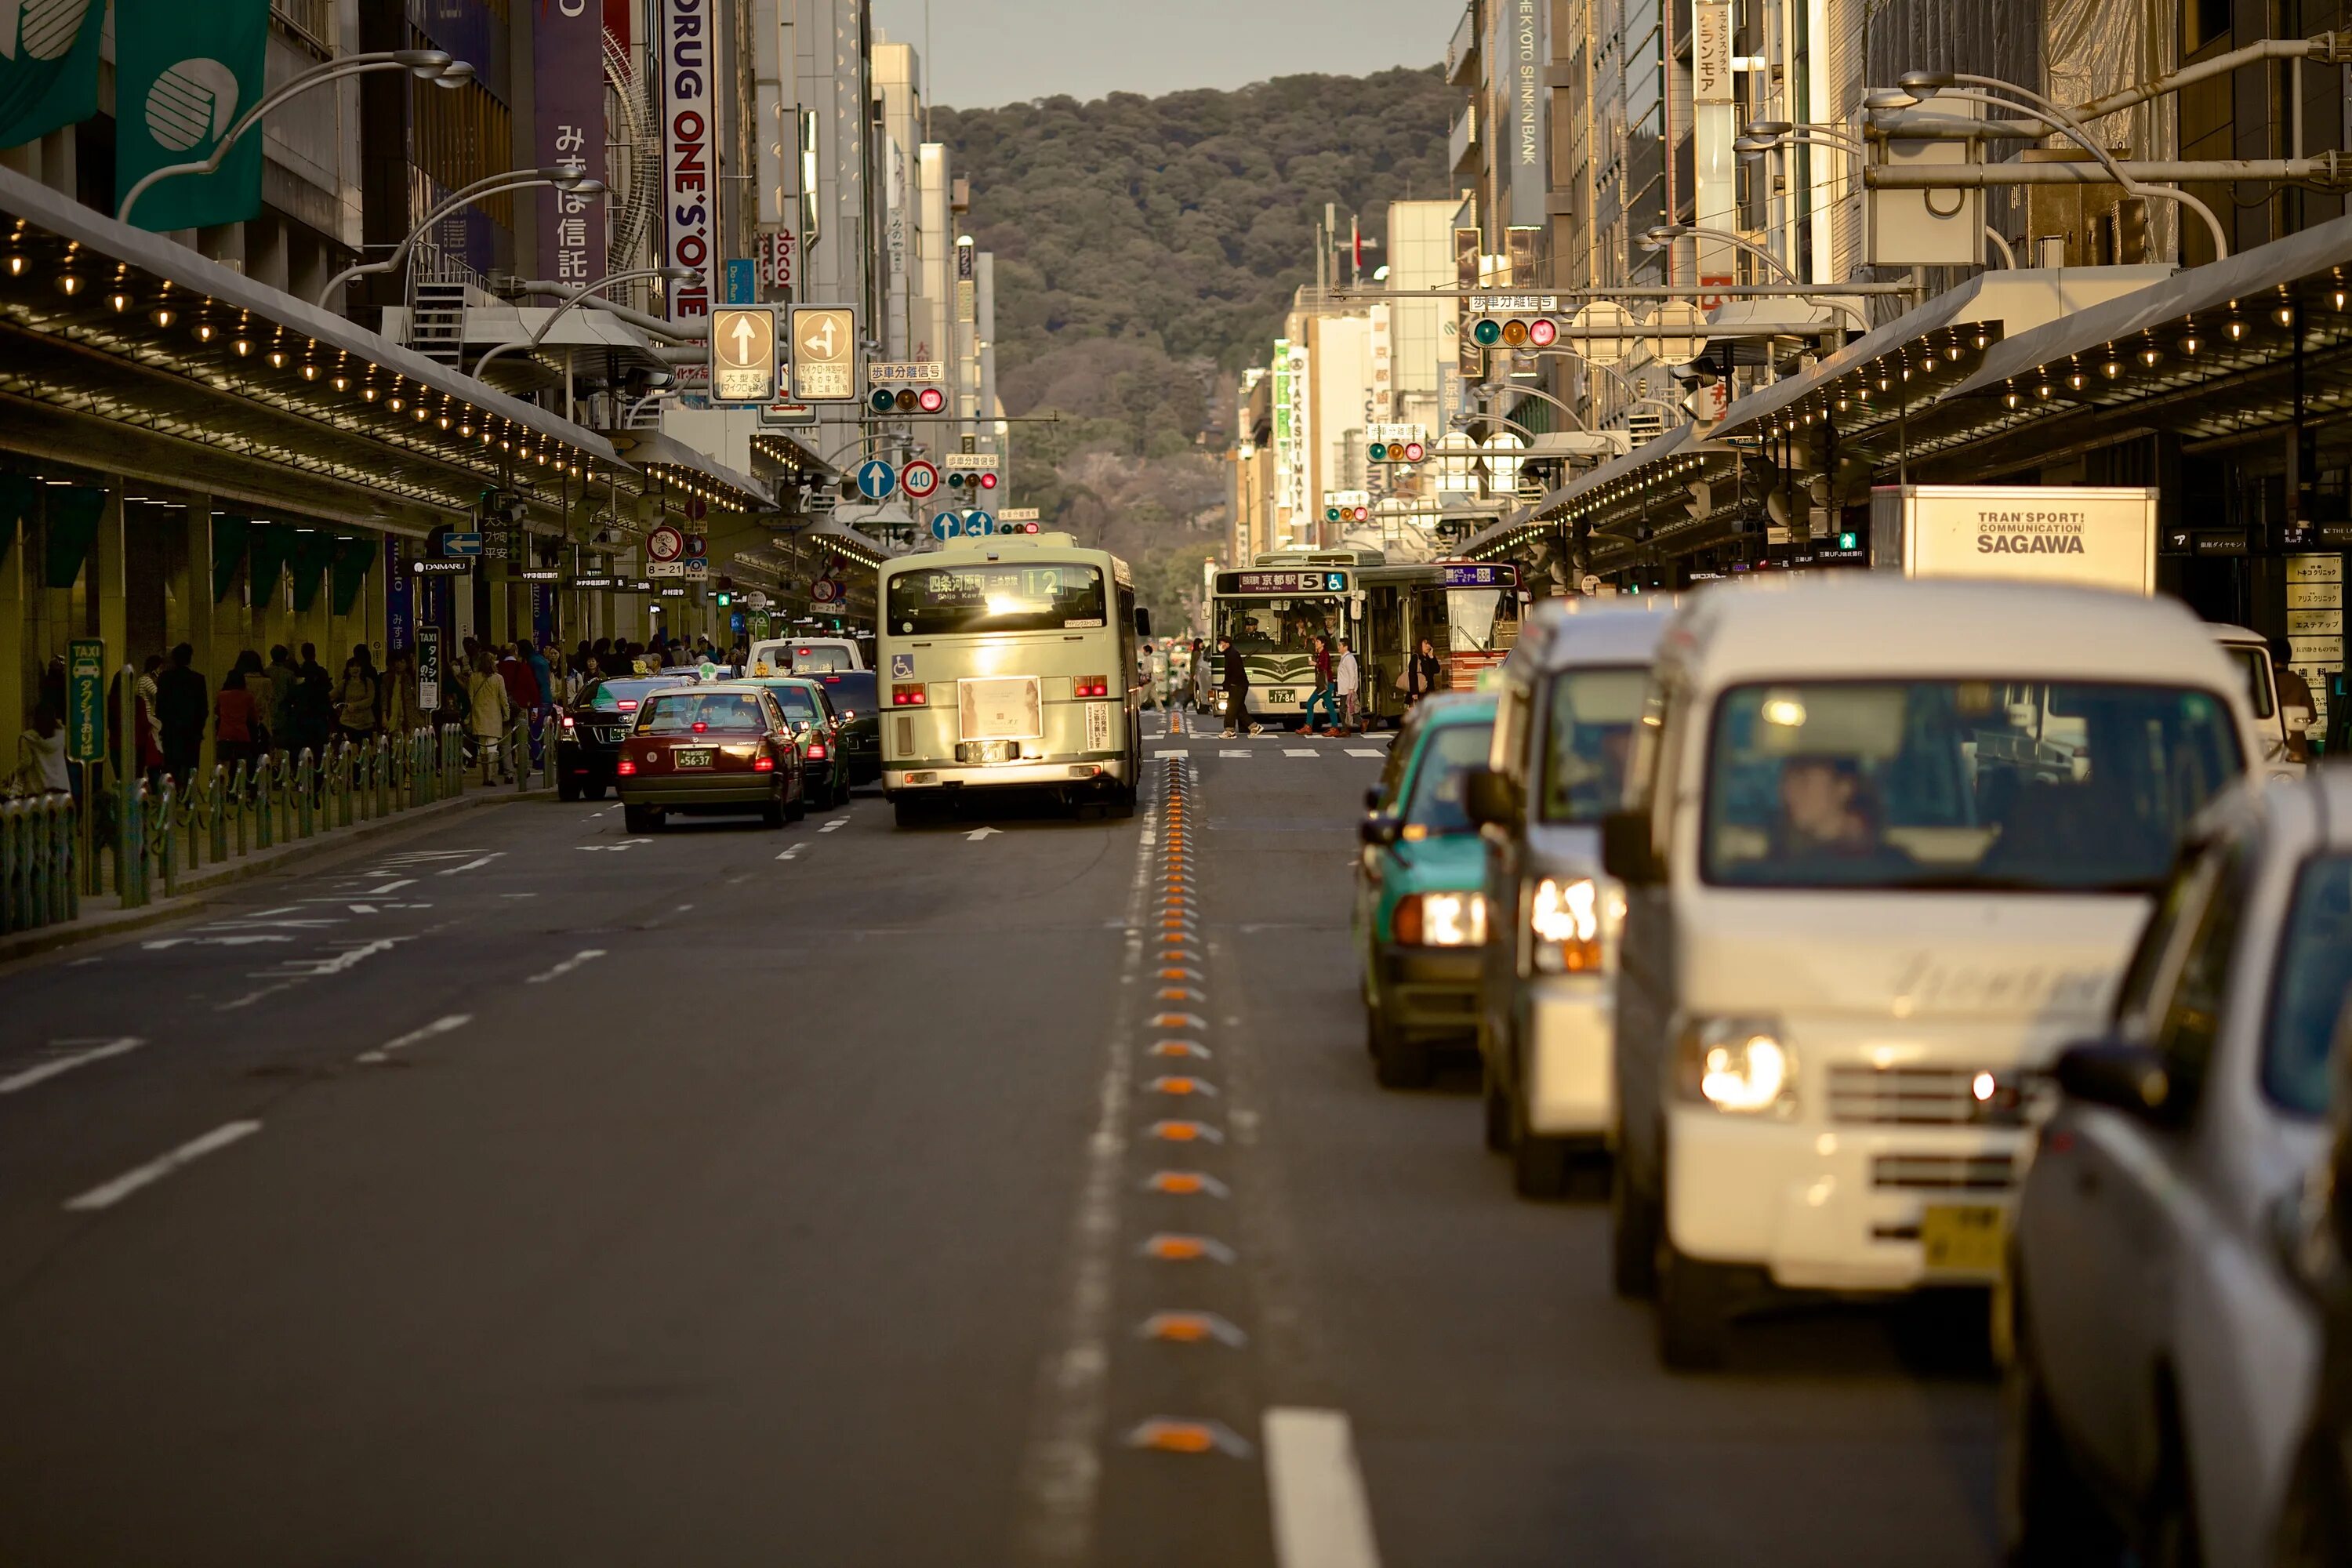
x: 2165, y: 1354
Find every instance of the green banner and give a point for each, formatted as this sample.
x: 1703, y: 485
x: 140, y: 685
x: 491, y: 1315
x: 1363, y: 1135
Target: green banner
x: 229, y: 551
x: 187, y: 70
x: 48, y: 65
x: 272, y: 542
x: 313, y: 553
x: 353, y: 559
x: 73, y: 514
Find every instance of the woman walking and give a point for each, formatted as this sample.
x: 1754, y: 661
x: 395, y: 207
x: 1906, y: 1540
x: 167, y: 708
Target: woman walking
x: 238, y: 730
x: 399, y: 715
x: 486, y: 709
x: 356, y: 698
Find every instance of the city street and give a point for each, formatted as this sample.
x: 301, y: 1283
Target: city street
x: 521, y: 1190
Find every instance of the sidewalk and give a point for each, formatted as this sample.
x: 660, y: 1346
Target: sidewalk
x: 102, y: 916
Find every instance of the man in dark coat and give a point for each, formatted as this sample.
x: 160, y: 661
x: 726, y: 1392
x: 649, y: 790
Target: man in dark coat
x: 182, y: 706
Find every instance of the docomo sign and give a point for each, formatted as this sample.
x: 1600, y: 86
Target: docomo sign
x: 688, y: 42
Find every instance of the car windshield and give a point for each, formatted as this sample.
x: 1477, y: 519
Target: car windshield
x: 1592, y: 732
x: 1435, y: 809
x: 2310, y: 985
x: 1280, y: 625
x: 851, y: 692
x: 1970, y: 784
x: 622, y: 696
x: 693, y: 712
x: 942, y: 601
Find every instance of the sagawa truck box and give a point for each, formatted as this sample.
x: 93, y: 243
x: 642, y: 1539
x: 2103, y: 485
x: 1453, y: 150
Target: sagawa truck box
x: 2099, y: 537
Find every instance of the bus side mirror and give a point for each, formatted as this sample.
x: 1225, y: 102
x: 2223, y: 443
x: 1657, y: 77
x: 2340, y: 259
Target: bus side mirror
x: 1626, y: 850
x: 1142, y: 622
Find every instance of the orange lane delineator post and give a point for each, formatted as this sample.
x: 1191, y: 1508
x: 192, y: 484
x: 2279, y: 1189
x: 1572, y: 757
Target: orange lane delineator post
x: 1173, y: 1435
x: 1184, y: 1328
x: 1186, y: 1132
x: 1175, y: 1247
x: 1186, y: 1185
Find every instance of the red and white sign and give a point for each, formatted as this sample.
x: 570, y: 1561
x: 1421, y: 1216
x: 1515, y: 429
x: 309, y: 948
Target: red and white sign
x: 918, y: 480
x: 664, y: 543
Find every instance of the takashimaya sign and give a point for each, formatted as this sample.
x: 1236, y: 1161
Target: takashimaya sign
x: 686, y: 57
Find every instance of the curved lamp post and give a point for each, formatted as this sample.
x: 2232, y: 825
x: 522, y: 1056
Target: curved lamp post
x: 569, y: 181
x: 1665, y: 234
x: 668, y: 274
x: 434, y: 66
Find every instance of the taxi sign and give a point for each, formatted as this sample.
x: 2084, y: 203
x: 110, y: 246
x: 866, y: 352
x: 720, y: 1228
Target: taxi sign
x: 743, y: 354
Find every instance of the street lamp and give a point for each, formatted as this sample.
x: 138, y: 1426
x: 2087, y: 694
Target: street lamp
x: 667, y: 274
x: 569, y: 181
x: 427, y: 65
x: 1665, y: 234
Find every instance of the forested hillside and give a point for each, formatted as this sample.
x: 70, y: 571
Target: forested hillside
x: 1146, y: 250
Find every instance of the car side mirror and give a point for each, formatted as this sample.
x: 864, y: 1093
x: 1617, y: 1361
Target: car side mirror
x: 2119, y: 1074
x: 1378, y: 832
x: 2297, y: 717
x: 1372, y: 798
x: 1488, y: 800
x: 1626, y: 849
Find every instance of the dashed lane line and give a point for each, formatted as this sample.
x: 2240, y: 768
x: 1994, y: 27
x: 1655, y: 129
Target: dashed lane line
x: 585, y: 955
x: 1321, y: 1517
x: 438, y: 1027
x: 112, y: 1193
x: 472, y: 865
x: 15, y: 1083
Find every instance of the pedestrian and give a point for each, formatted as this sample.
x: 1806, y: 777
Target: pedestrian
x: 41, y: 755
x: 358, y: 696
x: 147, y: 674
x: 237, y: 727
x: 312, y: 709
x: 487, y: 708
x: 148, y: 759
x: 1324, y: 694
x: 1422, y: 673
x: 283, y: 679
x: 1348, y: 676
x: 182, y: 706
x: 399, y: 715
x: 1234, y: 685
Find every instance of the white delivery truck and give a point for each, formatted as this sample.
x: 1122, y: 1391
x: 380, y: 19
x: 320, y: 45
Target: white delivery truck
x: 2088, y: 536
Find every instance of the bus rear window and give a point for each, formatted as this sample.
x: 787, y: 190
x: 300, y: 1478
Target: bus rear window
x: 1024, y: 598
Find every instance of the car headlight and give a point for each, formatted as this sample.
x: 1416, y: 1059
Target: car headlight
x: 1440, y: 920
x: 1564, y: 915
x: 1742, y: 1066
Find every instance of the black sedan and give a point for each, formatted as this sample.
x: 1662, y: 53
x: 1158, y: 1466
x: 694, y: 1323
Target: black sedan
x: 851, y: 693
x: 589, y: 734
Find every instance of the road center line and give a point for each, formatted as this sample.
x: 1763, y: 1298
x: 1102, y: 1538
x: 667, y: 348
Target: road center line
x: 26, y: 1080
x: 585, y: 955
x: 129, y: 1182
x: 471, y: 865
x: 416, y: 1036
x: 791, y: 854
x: 1321, y: 1515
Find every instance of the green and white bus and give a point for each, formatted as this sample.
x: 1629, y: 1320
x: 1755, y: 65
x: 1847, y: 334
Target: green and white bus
x: 1469, y: 611
x: 1009, y: 662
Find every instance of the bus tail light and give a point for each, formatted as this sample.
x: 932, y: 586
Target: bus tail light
x: 908, y: 695
x: 1090, y: 686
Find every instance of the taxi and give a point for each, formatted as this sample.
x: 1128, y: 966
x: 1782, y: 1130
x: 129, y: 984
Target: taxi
x: 1420, y: 914
x: 725, y: 747
x: 820, y: 726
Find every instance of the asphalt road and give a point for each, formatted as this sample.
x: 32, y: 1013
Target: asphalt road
x: 521, y: 1190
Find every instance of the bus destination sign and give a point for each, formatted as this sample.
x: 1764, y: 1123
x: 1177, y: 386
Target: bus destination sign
x: 1282, y: 582
x: 1482, y: 576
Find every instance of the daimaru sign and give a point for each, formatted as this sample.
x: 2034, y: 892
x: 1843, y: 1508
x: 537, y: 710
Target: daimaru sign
x: 2100, y: 537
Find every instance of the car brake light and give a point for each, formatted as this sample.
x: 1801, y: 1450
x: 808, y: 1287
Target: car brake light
x: 627, y: 767
x: 908, y: 695
x: 628, y: 704
x: 816, y: 751
x: 699, y: 726
x: 763, y: 764
x: 569, y: 723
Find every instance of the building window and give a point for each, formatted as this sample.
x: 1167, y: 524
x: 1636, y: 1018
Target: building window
x: 460, y: 136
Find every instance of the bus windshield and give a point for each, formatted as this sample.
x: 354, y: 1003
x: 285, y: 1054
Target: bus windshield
x: 1280, y: 625
x: 944, y: 601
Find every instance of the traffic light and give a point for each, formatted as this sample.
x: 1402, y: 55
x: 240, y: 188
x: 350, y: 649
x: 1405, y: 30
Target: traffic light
x: 1397, y: 452
x: 907, y: 388
x: 987, y: 481
x: 725, y: 598
x: 1516, y: 331
x: 1849, y: 541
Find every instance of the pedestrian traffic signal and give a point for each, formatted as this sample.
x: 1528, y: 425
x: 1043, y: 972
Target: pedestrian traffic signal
x: 1848, y: 542
x: 725, y: 598
x: 907, y: 388
x: 1397, y: 452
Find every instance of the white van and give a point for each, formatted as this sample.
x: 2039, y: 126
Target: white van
x: 1886, y: 847
x: 803, y: 656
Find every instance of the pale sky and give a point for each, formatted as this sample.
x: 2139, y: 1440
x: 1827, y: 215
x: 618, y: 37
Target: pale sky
x: 985, y: 53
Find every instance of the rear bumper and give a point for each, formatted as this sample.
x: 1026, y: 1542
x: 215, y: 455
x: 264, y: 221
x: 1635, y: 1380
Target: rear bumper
x: 576, y: 761
x: 1430, y: 991
x: 1099, y: 768
x: 720, y: 789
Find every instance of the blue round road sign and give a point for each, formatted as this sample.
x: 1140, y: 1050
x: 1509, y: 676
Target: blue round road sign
x: 944, y: 525
x: 979, y: 522
x: 877, y: 479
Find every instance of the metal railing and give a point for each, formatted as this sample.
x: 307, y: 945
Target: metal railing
x: 145, y: 838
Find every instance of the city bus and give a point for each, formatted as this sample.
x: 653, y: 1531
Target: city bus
x: 1008, y: 662
x: 1469, y: 611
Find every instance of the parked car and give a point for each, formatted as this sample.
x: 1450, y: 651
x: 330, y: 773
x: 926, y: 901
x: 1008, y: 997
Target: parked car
x: 1419, y: 916
x: 1859, y: 891
x: 589, y: 732
x: 819, y: 729
x: 1569, y: 693
x: 725, y: 747
x: 2165, y: 1348
x: 856, y: 699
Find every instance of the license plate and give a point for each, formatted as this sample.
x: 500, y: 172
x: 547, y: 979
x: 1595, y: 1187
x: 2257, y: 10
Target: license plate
x: 1282, y: 694
x: 1963, y: 1239
x: 691, y: 759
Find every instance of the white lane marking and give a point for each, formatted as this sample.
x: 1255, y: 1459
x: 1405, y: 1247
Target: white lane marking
x: 349, y: 958
x: 624, y: 844
x: 518, y: 895
x: 1321, y: 1517
x: 794, y: 853
x: 386, y: 891
x: 473, y: 864
x: 585, y: 955
x: 1233, y: 754
x: 47, y: 1070
x: 1366, y: 751
x: 837, y: 821
x: 1300, y: 751
x: 129, y: 1182
x: 1173, y: 752
x: 160, y: 943
x: 416, y: 1036
x: 977, y: 834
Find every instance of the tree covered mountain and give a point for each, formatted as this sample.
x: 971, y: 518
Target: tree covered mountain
x: 1147, y: 248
